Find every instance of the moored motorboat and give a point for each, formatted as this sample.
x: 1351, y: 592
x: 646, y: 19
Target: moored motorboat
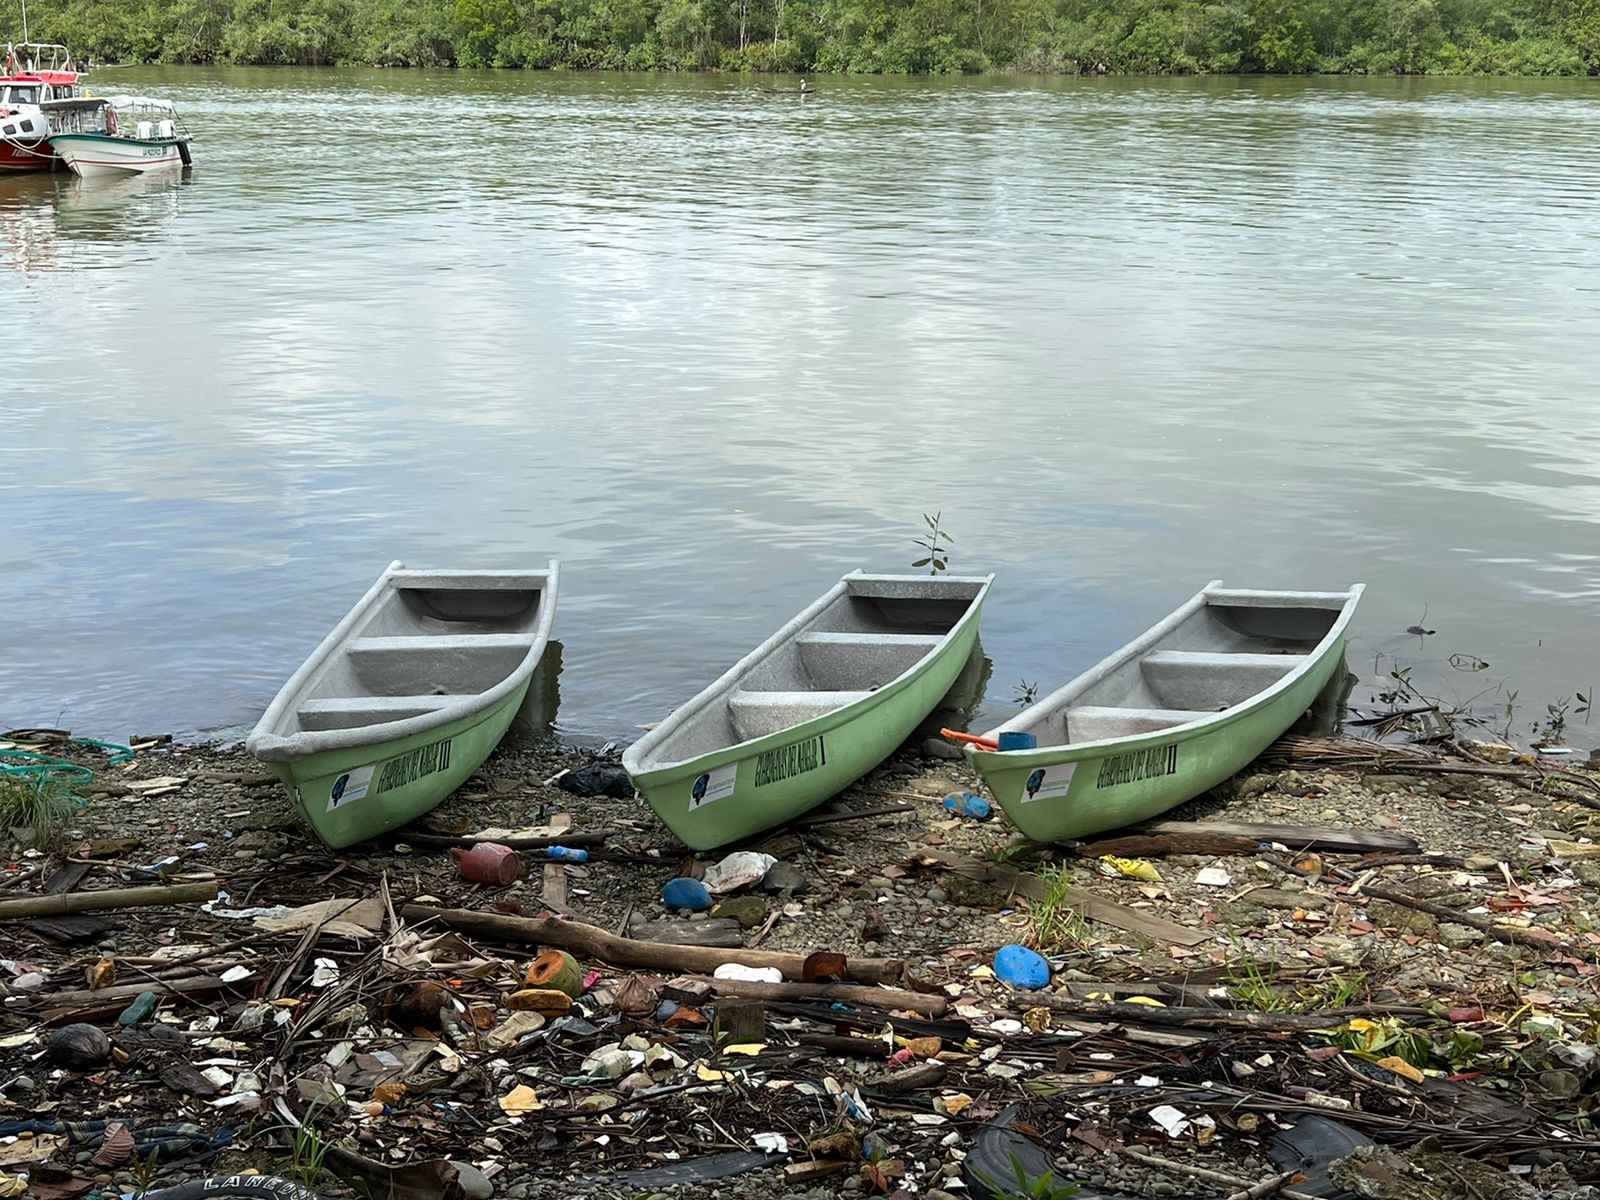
x: 406, y: 696
x: 118, y: 135
x: 32, y: 74
x: 1176, y: 711
x: 813, y: 708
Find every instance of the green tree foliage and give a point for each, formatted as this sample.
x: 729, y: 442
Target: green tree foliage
x: 1518, y: 37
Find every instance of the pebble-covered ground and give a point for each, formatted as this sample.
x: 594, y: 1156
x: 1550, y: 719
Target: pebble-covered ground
x: 1282, y: 934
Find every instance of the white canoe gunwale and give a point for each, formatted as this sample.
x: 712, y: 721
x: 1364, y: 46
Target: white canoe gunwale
x: 269, y: 743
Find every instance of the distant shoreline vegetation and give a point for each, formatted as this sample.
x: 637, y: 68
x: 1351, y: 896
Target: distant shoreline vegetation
x: 890, y: 37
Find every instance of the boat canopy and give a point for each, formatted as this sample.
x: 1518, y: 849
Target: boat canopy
x: 141, y: 102
x: 74, y: 104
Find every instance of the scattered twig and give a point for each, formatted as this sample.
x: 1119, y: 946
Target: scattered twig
x: 1210, y: 1176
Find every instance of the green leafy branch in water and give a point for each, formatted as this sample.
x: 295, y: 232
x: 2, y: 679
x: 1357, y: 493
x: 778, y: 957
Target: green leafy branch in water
x: 933, y: 542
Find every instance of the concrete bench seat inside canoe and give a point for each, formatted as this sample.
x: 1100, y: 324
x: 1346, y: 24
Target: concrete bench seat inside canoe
x: 1175, y: 711
x: 406, y: 696
x: 814, y: 707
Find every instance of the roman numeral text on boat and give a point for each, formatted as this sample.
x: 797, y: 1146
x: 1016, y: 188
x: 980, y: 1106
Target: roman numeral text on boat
x: 412, y: 766
x: 774, y: 766
x: 1141, y: 764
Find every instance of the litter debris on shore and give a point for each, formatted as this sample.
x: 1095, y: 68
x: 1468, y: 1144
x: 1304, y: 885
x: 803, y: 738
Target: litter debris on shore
x: 1356, y: 966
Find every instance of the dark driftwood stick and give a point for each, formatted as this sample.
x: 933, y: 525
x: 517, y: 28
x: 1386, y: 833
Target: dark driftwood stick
x: 593, y: 942
x: 75, y: 902
x: 928, y: 1006
x: 123, y: 992
x: 855, y: 1047
x: 1537, y: 938
x: 1153, y: 845
x: 861, y: 815
x: 1190, y: 1018
x: 1500, y: 933
x: 1330, y: 839
x: 909, y: 1079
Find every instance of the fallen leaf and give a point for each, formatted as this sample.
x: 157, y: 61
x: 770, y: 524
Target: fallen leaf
x: 1401, y: 1067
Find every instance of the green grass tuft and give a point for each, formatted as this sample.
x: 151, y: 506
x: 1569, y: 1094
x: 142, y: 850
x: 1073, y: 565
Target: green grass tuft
x: 36, y: 803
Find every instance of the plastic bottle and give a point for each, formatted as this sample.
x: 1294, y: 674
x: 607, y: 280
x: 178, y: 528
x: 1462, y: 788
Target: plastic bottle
x: 566, y: 854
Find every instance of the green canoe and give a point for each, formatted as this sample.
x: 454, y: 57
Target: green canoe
x: 812, y: 709
x: 406, y: 697
x: 1176, y: 711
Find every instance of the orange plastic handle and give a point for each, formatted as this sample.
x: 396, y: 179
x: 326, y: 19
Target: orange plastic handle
x: 955, y: 735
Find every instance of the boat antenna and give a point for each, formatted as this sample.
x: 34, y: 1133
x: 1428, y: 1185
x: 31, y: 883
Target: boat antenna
x: 24, y: 20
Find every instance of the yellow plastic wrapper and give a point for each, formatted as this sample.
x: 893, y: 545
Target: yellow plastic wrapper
x: 1131, y: 868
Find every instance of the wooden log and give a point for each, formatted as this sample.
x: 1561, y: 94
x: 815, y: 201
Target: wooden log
x: 673, y: 931
x: 111, y: 898
x: 927, y: 1006
x: 588, y: 941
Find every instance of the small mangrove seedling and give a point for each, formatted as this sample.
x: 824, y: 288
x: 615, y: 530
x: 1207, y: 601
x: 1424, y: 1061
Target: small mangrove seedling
x: 1552, y: 731
x: 937, y: 558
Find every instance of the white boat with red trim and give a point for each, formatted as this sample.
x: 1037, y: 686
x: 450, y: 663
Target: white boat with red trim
x: 32, y: 74
x: 118, y: 135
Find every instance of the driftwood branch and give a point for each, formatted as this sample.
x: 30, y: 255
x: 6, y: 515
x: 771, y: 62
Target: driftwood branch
x: 928, y: 1006
x: 1507, y: 934
x: 592, y: 942
x: 1210, y: 1176
x: 1198, y: 1018
x: 111, y: 898
x: 1501, y: 933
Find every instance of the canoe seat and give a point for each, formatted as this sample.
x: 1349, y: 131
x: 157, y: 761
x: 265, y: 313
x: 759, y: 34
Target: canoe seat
x: 1193, y: 679
x: 441, y: 641
x: 1093, y: 723
x: 422, y: 664
x: 756, y: 714
x: 352, y: 712
x: 856, y: 660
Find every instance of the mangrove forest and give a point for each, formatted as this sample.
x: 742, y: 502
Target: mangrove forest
x: 1458, y: 37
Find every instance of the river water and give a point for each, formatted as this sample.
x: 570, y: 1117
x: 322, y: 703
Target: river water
x: 713, y: 347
